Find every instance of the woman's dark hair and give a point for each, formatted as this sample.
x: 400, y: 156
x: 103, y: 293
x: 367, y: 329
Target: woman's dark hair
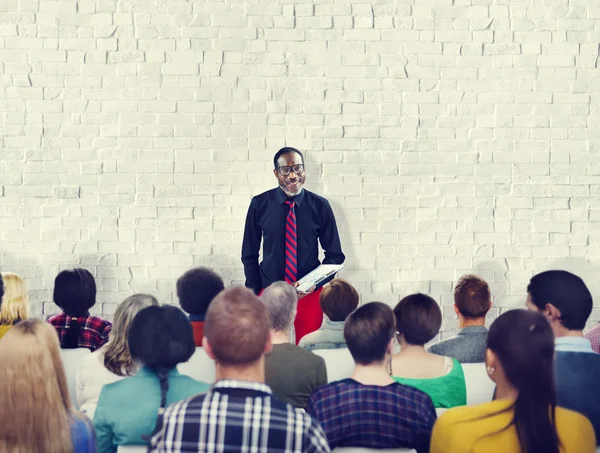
x: 418, y: 318
x: 1, y: 289
x: 161, y: 338
x: 524, y: 344
x: 368, y: 331
x: 197, y: 288
x: 75, y: 294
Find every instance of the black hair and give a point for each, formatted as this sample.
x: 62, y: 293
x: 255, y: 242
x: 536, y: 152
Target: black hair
x: 197, y: 288
x: 368, y: 331
x: 161, y: 337
x: 567, y: 292
x: 524, y: 344
x: 75, y: 294
x: 284, y: 151
x: 1, y: 289
x: 418, y: 318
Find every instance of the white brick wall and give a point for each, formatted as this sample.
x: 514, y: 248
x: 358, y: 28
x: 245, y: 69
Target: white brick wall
x: 450, y: 137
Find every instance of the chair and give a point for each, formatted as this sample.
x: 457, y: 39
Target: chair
x: 372, y: 450
x: 339, y: 363
x: 200, y: 367
x: 132, y: 449
x: 71, y: 359
x: 440, y: 410
x: 480, y: 388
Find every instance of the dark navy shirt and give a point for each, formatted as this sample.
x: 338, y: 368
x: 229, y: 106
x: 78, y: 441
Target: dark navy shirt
x: 266, y: 221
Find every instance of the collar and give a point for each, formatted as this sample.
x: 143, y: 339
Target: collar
x: 333, y: 325
x: 246, y: 385
x: 472, y: 330
x: 196, y: 318
x: 573, y: 344
x: 145, y: 371
x: 281, y: 197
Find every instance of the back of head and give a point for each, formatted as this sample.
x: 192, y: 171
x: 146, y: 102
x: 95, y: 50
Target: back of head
x: 523, y: 343
x: 281, y: 300
x: 33, y: 395
x: 339, y: 299
x: 1, y: 288
x: 418, y: 318
x: 472, y: 296
x: 567, y: 292
x: 117, y: 356
x: 197, y: 288
x: 237, y: 327
x: 368, y: 332
x: 15, y: 302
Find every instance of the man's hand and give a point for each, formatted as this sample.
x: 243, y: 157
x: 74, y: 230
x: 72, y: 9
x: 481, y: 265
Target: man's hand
x: 305, y: 293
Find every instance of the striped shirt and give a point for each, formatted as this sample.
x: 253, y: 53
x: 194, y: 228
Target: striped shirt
x: 237, y: 416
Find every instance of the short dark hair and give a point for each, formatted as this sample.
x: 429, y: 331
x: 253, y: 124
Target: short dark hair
x: 418, y: 318
x: 338, y: 299
x: 197, y: 288
x: 284, y: 151
x: 472, y: 296
x: 161, y: 337
x: 75, y: 291
x: 567, y: 292
x: 368, y: 331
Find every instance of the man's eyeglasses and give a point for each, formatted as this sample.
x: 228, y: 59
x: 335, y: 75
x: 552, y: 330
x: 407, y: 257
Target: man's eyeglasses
x: 285, y: 171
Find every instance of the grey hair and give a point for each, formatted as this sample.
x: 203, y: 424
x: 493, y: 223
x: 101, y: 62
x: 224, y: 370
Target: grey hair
x: 281, y: 300
x: 117, y: 357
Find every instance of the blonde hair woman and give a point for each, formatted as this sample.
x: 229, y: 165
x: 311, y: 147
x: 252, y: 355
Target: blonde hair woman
x: 37, y: 415
x: 15, y: 302
x: 113, y: 361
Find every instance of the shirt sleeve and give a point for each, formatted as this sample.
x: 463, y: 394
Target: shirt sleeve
x: 330, y: 238
x: 103, y: 428
x: 317, y: 440
x: 251, y: 248
x: 105, y: 334
x: 424, y: 436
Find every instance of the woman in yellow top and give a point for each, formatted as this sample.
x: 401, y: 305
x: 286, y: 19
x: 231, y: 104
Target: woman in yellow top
x: 524, y: 418
x: 14, y: 305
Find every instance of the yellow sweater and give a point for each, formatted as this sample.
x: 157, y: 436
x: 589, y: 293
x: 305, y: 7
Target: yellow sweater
x: 4, y: 328
x: 460, y: 430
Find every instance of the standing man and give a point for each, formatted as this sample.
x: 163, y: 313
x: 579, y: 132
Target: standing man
x: 292, y: 221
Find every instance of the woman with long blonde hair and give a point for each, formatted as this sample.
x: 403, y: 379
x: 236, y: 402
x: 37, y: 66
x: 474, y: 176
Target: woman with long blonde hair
x: 14, y: 305
x: 113, y: 361
x: 37, y: 413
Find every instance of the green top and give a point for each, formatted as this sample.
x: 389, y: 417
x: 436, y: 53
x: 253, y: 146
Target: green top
x: 445, y: 391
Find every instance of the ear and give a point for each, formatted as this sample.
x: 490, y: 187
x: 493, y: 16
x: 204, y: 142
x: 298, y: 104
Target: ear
x: 456, y: 310
x: 390, y: 347
x: 269, y: 344
x: 208, y: 348
x: 275, y: 173
x: 552, y: 312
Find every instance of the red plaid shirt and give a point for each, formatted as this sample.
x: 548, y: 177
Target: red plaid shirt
x: 594, y: 336
x: 94, y: 330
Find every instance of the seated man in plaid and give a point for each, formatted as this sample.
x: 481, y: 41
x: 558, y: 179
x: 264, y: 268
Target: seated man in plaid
x: 239, y: 413
x: 370, y: 409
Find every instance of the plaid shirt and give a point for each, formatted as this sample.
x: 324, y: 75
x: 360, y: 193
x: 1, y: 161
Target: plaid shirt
x: 594, y: 336
x: 94, y: 330
x: 370, y: 416
x: 237, y: 416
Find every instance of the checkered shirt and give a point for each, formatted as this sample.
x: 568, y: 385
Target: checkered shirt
x: 237, y: 416
x: 94, y: 330
x: 594, y: 336
x: 370, y: 416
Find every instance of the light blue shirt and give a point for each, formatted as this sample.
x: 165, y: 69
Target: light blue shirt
x: 329, y: 336
x: 573, y: 344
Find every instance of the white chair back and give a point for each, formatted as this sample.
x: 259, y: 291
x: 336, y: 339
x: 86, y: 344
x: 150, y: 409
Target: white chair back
x: 339, y: 363
x: 372, y: 450
x: 480, y: 388
x: 598, y: 450
x: 71, y: 359
x: 132, y: 449
x: 440, y: 410
x: 200, y: 367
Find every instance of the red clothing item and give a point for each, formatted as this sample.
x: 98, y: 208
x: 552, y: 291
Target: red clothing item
x: 94, y: 330
x: 198, y: 328
x: 594, y: 336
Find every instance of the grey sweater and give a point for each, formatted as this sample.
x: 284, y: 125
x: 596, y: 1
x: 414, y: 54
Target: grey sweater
x: 468, y: 346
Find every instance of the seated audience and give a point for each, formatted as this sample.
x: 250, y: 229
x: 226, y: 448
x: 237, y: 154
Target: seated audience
x: 195, y: 290
x: 239, y: 413
x: 14, y: 306
x: 370, y: 409
x: 290, y: 371
x: 524, y: 417
x: 338, y: 300
x: 472, y: 301
x: 567, y: 303
x: 418, y: 321
x: 37, y: 415
x: 113, y: 361
x: 127, y: 412
x: 75, y: 294
x: 594, y: 336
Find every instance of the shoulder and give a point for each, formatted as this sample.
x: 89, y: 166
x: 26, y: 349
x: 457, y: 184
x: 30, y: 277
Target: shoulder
x: 443, y: 345
x: 318, y: 200
x: 98, y: 322
x: 265, y: 196
x: 191, y: 383
x: 56, y: 318
x: 302, y: 353
x: 574, y: 420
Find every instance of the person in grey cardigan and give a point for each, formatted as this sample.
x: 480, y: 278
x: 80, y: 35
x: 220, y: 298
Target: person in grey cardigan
x: 472, y: 301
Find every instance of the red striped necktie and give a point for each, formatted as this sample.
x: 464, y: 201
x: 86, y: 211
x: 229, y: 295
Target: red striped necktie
x: 291, y: 245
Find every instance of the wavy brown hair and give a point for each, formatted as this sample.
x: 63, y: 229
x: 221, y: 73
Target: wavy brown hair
x: 117, y: 356
x: 34, y: 396
x: 15, y: 302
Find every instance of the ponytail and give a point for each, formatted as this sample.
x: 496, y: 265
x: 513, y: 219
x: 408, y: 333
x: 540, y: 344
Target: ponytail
x: 71, y: 337
x: 162, y: 373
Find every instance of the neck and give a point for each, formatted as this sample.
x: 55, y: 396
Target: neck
x: 505, y: 391
x: 562, y: 332
x: 280, y: 336
x: 406, y: 348
x: 465, y: 322
x: 377, y: 373
x: 253, y: 372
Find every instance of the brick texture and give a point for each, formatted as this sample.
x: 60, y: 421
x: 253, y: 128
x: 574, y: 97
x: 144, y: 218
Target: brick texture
x: 450, y: 137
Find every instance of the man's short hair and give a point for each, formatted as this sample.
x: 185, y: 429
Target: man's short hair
x: 567, y: 292
x: 418, y: 318
x: 338, y: 299
x: 282, y: 152
x: 75, y: 291
x: 281, y: 300
x: 472, y: 296
x: 197, y: 288
x: 368, y: 331
x: 237, y: 327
